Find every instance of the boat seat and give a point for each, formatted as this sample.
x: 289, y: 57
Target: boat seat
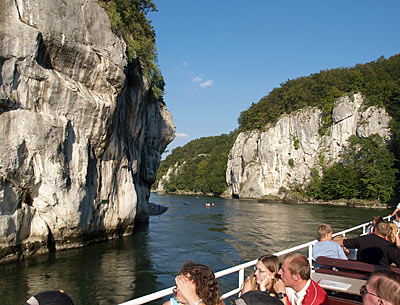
x: 349, y: 268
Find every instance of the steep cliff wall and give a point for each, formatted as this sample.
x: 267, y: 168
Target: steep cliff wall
x: 260, y: 163
x: 81, y: 140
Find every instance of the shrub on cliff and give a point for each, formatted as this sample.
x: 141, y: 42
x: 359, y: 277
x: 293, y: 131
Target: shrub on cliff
x: 128, y: 19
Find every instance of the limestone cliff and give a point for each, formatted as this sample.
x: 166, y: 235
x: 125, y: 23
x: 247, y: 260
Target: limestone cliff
x: 260, y: 163
x: 81, y: 139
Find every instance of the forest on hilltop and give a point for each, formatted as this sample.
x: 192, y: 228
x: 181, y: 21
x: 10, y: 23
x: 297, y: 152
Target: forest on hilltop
x: 201, y: 165
x: 369, y: 168
x: 378, y: 80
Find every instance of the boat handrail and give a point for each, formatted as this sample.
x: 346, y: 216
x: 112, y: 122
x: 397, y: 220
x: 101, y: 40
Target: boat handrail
x: 240, y: 269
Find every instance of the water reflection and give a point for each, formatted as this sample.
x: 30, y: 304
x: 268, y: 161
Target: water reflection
x: 104, y: 273
x: 261, y: 228
x: 231, y: 232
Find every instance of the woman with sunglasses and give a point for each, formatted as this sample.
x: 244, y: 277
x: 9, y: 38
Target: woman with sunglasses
x: 196, y: 285
x: 382, y: 288
x: 264, y: 276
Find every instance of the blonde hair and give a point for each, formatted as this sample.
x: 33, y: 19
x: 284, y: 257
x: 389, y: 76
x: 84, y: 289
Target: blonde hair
x: 271, y: 262
x: 394, y: 230
x: 386, y: 284
x: 323, y: 230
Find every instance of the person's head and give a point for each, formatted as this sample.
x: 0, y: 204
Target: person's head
x: 324, y: 231
x: 382, y: 288
x: 267, y: 266
x: 50, y: 297
x: 204, y: 279
x: 393, y: 232
x: 382, y: 228
x: 257, y: 297
x: 376, y: 219
x: 295, y: 271
x: 397, y: 215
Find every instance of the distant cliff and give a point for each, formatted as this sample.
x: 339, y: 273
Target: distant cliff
x: 261, y: 163
x: 81, y: 137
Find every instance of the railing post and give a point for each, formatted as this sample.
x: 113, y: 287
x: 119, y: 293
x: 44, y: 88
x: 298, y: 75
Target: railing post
x: 241, y: 277
x: 310, y: 257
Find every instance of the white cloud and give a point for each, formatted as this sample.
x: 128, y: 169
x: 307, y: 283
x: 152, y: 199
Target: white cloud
x: 182, y: 135
x: 207, y: 83
x: 197, y: 79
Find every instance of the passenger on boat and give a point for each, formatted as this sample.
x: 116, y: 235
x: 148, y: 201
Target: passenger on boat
x: 374, y: 248
x: 263, y: 277
x: 196, y: 285
x: 397, y: 209
x: 296, y: 283
x: 394, y: 234
x: 397, y: 219
x: 325, y: 246
x: 375, y: 220
x: 382, y: 288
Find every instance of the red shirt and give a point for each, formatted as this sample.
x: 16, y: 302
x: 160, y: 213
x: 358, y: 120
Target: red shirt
x: 315, y: 295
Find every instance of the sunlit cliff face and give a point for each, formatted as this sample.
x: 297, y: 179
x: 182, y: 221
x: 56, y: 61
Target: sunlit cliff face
x: 81, y: 139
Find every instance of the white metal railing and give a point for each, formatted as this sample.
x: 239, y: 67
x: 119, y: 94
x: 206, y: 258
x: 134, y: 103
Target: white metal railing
x: 240, y: 269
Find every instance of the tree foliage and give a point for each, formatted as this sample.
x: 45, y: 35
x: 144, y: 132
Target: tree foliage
x: 377, y: 80
x: 201, y: 165
x: 366, y: 171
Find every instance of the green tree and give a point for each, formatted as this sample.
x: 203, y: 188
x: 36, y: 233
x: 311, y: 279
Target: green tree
x: 201, y: 165
x: 375, y: 165
x: 366, y: 171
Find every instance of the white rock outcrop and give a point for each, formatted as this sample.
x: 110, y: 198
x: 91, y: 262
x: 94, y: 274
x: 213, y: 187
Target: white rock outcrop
x: 81, y: 140
x: 260, y: 163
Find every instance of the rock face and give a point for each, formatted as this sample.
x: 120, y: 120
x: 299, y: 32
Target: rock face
x: 81, y: 140
x: 260, y: 163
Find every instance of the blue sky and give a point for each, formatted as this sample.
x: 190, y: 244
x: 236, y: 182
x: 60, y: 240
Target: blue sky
x: 219, y: 56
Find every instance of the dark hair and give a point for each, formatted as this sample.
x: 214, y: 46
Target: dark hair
x: 206, y: 284
x: 256, y: 297
x: 383, y: 227
x: 50, y: 297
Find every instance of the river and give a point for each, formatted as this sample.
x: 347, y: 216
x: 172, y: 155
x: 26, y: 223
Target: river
x: 232, y: 232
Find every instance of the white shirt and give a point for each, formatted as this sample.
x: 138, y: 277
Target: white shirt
x: 296, y: 298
